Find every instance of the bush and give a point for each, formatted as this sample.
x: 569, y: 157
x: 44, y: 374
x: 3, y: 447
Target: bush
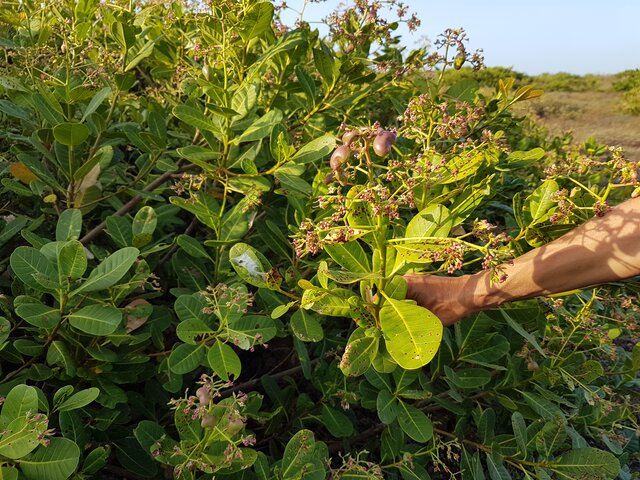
x: 564, y: 82
x: 627, y: 80
x: 193, y: 289
x: 631, y: 101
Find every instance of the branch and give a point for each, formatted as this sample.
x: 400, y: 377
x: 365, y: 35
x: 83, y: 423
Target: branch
x: 92, y: 234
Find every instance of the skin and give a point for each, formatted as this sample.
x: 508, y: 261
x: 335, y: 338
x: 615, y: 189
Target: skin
x: 602, y: 250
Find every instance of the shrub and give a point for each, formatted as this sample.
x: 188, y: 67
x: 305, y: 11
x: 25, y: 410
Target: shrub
x: 192, y: 288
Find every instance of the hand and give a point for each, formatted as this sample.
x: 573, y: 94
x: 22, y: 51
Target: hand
x: 449, y: 298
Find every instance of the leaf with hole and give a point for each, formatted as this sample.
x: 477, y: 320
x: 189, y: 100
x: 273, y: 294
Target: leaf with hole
x: 412, y: 333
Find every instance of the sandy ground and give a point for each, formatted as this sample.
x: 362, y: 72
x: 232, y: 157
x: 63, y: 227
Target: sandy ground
x: 588, y: 114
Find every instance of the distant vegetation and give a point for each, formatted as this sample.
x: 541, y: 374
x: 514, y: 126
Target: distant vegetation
x: 627, y: 82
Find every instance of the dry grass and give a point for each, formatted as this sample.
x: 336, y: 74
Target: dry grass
x: 588, y: 114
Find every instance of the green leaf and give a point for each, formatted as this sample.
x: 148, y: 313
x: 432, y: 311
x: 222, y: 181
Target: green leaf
x: 200, y: 156
x: 39, y: 315
x: 72, y: 260
x: 540, y: 201
x: 69, y: 225
x: 29, y: 264
x: 192, y: 246
x: 144, y: 224
x: 244, y: 99
x: 338, y: 424
x: 9, y: 108
x: 496, y: 469
x: 468, y: 377
x: 415, y: 423
x: 189, y: 307
x: 235, y: 223
x: 196, y: 118
x: 142, y: 53
x: 186, y: 358
x: 293, y: 183
x: 551, y: 437
x: 285, y: 43
x: 22, y: 399
x: 58, y: 354
x: 350, y: 256
x: 485, y: 350
x: 98, y: 320
x: 526, y: 335
x: 412, y: 333
x: 542, y: 406
x: 119, y: 229
x: 70, y: 133
x: 95, y: 102
x: 261, y: 127
x: 110, y: 271
x: 256, y: 21
x: 587, y: 464
x: 20, y: 437
x: 9, y: 473
x: 48, y: 107
x: 487, y: 425
x: 298, y: 453
x: 134, y: 459
x: 79, y: 399
x: 387, y: 406
x: 432, y: 221
x: 192, y: 331
x: 306, y: 327
x: 359, y: 353
x: 57, y: 461
x: 332, y: 303
x: 95, y: 460
x: 5, y: 329
x: 12, y: 228
x: 316, y: 149
x: 223, y: 360
x: 250, y: 330
x: 520, y: 432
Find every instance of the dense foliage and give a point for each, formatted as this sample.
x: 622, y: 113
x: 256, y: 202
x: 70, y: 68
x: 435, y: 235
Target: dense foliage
x: 191, y: 288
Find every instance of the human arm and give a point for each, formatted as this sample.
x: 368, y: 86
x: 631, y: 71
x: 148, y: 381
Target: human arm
x: 602, y: 250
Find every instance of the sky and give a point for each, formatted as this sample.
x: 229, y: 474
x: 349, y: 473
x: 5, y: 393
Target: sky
x: 533, y: 37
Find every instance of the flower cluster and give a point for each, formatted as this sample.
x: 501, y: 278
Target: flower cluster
x: 366, y: 22
x: 236, y: 299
